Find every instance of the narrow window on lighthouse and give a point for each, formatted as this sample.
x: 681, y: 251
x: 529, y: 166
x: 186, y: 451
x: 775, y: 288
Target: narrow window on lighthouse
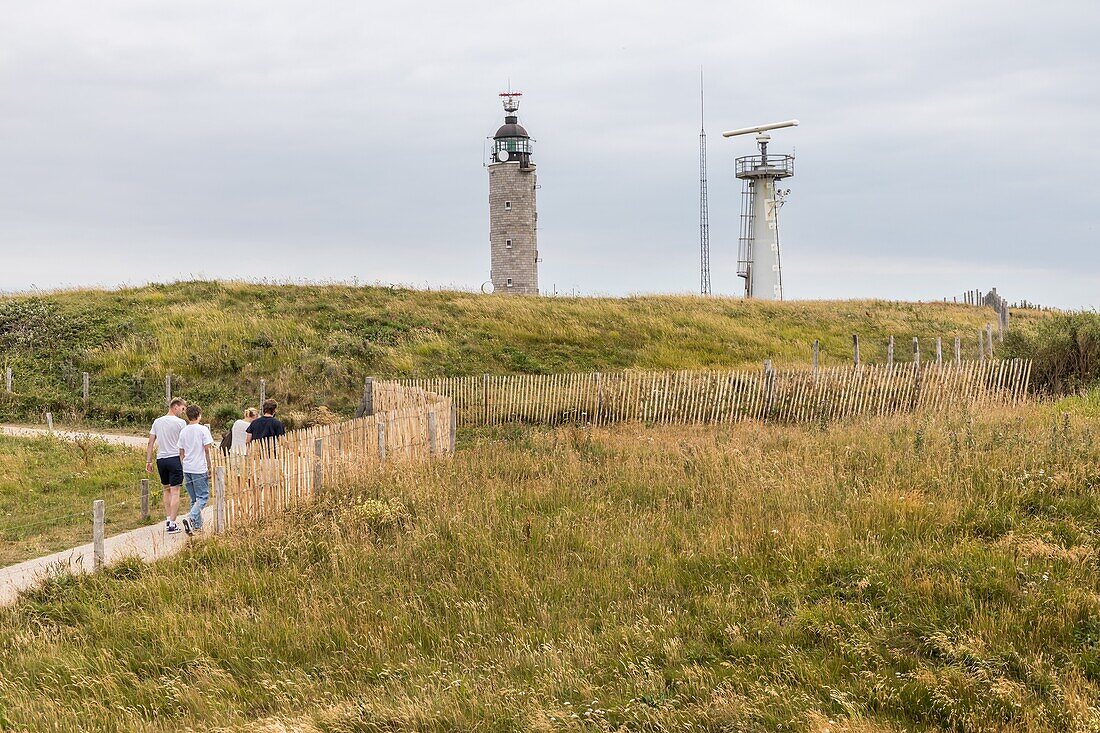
x: 508, y: 243
x: 509, y: 283
x: 507, y: 205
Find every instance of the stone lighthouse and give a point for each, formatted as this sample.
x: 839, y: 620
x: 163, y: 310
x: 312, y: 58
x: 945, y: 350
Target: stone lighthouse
x: 512, y: 214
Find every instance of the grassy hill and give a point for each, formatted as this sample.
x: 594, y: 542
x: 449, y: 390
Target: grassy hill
x: 920, y: 573
x: 314, y: 344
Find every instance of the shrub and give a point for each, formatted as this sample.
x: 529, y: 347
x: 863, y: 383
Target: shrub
x: 1064, y: 349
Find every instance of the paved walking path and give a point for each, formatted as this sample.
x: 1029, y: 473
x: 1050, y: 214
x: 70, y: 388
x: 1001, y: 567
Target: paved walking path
x: 147, y: 543
x: 20, y: 431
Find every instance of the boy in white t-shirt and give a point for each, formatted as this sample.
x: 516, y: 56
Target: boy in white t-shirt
x: 195, y: 448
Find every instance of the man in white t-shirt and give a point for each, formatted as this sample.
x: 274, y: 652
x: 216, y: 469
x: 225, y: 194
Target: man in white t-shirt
x: 239, y: 443
x: 196, y: 445
x: 164, y: 437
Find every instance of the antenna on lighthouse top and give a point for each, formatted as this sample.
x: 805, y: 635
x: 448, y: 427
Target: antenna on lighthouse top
x: 511, y: 101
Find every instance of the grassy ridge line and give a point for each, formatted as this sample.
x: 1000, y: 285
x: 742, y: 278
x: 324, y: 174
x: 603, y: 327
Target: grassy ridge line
x: 910, y: 574
x: 314, y: 344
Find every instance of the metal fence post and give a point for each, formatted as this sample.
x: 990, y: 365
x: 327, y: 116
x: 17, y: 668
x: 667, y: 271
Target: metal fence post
x: 98, y: 552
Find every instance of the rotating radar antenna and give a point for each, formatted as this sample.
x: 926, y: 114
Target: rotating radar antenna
x: 758, y: 259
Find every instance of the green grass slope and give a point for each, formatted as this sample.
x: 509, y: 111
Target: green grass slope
x: 314, y: 344
x: 910, y: 574
x: 47, y: 487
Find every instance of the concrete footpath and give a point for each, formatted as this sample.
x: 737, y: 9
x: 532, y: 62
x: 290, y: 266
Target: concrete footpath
x: 19, y: 431
x: 146, y: 543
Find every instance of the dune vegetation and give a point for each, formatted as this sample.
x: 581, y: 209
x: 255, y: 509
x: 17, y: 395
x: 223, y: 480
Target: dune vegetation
x: 314, y: 344
x: 914, y: 573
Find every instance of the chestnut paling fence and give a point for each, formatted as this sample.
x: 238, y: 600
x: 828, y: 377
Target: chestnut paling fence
x: 416, y: 419
x: 784, y: 395
x: 406, y: 423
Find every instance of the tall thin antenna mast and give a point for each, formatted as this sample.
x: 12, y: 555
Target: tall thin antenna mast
x: 704, y: 213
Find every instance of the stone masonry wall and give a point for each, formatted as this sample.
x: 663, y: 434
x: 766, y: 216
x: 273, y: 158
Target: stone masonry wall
x: 508, y: 183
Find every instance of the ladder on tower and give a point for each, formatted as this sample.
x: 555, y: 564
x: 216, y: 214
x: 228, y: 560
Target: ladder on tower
x: 744, y: 242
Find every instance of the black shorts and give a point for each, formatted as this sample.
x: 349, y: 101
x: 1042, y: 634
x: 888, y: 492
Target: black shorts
x: 171, y: 471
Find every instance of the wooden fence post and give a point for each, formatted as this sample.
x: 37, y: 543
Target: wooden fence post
x: 916, y: 351
x: 939, y: 351
x: 855, y: 349
x: 599, y: 398
x: 433, y: 433
x: 167, y: 389
x: 366, y: 404
x: 958, y: 350
x: 49, y: 421
x: 817, y: 355
x: 989, y: 338
x: 769, y: 387
x: 98, y: 552
x: 7, y: 379
x: 263, y: 392
x: 981, y: 344
x: 454, y: 424
x: 485, y: 395
x: 318, y: 464
x: 890, y: 352
x: 144, y: 499
x: 87, y: 386
x: 219, y: 499
x: 382, y: 441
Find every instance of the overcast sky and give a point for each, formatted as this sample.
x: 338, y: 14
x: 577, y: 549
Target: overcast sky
x: 943, y: 145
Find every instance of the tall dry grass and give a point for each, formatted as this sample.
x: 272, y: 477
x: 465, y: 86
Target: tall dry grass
x: 915, y: 573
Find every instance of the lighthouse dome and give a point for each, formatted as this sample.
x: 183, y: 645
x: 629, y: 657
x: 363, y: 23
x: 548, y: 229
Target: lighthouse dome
x: 511, y: 128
